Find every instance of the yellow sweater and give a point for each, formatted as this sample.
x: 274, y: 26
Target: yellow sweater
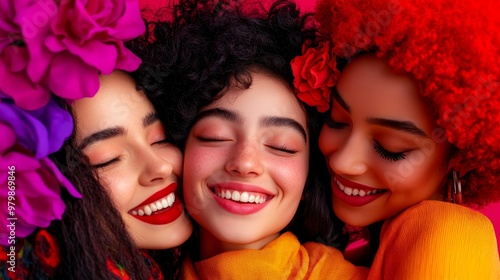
x: 284, y: 258
x: 437, y: 240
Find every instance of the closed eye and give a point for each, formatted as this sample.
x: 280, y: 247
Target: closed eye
x: 282, y: 149
x: 104, y: 164
x: 211, y: 139
x: 334, y: 125
x: 385, y: 154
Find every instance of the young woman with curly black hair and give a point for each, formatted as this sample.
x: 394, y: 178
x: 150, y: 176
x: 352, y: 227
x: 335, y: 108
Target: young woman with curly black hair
x: 253, y: 175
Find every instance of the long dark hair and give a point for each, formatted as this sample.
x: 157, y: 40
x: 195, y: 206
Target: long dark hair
x: 92, y: 233
x: 211, y: 46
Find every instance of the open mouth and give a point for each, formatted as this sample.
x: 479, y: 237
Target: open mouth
x: 357, y: 192
x: 155, y: 206
x: 242, y: 197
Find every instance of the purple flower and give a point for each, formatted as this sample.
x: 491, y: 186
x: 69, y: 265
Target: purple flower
x: 42, y: 131
x: 62, y: 46
x: 27, y: 138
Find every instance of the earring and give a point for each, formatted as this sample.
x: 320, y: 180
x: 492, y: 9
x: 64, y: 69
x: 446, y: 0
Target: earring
x: 454, y: 191
x: 457, y: 188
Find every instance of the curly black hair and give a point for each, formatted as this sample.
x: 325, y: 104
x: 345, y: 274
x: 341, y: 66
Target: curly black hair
x: 210, y: 46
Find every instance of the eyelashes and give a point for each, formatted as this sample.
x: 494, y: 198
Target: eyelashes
x: 385, y: 154
x: 104, y: 164
x: 381, y: 151
x: 333, y: 124
x: 117, y: 159
x: 281, y: 148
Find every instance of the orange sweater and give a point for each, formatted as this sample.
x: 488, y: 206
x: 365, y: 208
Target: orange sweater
x: 284, y: 258
x: 437, y: 240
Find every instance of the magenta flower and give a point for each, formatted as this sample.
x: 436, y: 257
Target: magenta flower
x: 63, y: 46
x: 14, y: 57
x: 27, y: 138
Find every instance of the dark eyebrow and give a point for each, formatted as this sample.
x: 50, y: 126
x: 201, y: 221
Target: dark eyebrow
x: 266, y: 121
x: 339, y: 99
x: 283, y: 122
x: 405, y: 126
x: 101, y: 135
x: 220, y: 113
x: 107, y: 133
x: 149, y: 119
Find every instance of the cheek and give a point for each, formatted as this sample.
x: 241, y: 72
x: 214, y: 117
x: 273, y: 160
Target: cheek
x: 290, y: 174
x: 120, y: 189
x: 420, y: 171
x: 329, y: 140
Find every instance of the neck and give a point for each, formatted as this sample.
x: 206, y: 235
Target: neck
x: 211, y: 246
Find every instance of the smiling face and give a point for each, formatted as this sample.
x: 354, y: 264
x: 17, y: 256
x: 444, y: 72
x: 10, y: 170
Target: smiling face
x: 381, y: 144
x: 246, y: 164
x: 119, y: 132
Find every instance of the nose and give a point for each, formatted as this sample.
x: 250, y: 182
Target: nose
x: 155, y: 168
x: 350, y: 157
x: 245, y: 160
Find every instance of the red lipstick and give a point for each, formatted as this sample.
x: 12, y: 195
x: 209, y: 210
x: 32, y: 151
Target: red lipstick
x: 353, y: 200
x: 164, y: 215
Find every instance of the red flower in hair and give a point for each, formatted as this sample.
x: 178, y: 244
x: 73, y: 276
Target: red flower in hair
x: 315, y: 72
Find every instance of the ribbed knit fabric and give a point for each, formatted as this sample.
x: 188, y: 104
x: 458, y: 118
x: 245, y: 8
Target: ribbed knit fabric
x: 437, y: 240
x: 284, y: 258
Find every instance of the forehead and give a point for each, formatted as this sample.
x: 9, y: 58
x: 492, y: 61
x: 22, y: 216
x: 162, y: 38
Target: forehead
x: 266, y: 96
x: 370, y: 86
x: 117, y: 102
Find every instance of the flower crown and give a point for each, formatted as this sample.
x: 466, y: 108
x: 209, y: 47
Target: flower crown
x: 315, y: 73
x: 51, y: 52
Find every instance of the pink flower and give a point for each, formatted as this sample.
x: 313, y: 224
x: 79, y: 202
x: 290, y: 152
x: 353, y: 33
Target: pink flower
x: 62, y: 46
x: 14, y: 58
x: 35, y: 183
x: 37, y: 199
x: 315, y: 73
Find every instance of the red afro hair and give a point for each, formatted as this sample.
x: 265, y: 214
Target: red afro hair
x: 452, y: 49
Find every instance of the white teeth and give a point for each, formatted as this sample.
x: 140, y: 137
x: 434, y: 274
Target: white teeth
x: 244, y: 197
x: 348, y: 191
x: 164, y: 203
x: 235, y: 196
x: 160, y: 204
x: 355, y: 192
x: 241, y: 196
x: 147, y: 210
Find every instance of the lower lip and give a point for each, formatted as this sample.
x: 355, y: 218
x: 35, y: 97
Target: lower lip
x: 164, y: 216
x: 352, y: 200
x: 239, y: 208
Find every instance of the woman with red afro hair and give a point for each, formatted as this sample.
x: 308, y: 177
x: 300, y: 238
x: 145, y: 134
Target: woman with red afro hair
x: 411, y: 94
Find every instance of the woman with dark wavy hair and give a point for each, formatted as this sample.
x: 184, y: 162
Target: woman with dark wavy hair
x: 253, y: 175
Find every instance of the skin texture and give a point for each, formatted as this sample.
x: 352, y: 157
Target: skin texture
x: 233, y: 145
x: 133, y: 161
x: 367, y: 141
